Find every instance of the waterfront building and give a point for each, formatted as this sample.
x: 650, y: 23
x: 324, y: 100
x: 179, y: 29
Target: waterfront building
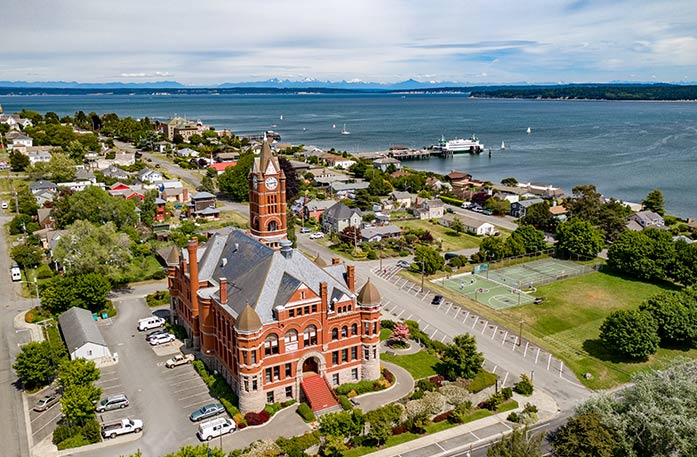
x: 275, y: 324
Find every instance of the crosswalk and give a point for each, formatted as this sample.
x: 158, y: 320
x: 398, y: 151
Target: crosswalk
x: 471, y: 322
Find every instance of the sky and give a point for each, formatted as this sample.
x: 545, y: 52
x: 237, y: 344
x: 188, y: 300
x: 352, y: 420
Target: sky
x: 204, y: 42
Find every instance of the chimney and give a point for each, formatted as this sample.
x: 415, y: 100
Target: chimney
x: 286, y: 248
x: 324, y: 295
x: 223, y: 290
x: 335, y: 261
x: 185, y: 195
x: 351, y: 278
x: 192, y: 247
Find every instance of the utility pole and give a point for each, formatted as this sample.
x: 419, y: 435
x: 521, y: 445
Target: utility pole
x: 520, y: 332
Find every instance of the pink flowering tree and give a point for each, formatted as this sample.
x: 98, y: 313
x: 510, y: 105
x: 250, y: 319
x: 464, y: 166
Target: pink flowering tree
x: 400, y: 332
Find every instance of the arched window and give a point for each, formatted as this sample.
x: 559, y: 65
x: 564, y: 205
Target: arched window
x: 291, y: 340
x: 310, y: 335
x: 273, y: 226
x: 271, y: 344
x: 335, y: 334
x: 344, y: 331
x: 354, y: 329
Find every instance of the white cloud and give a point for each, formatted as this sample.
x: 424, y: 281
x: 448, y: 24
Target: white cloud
x: 212, y: 41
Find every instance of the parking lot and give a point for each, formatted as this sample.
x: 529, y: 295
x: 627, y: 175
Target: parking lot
x: 43, y: 423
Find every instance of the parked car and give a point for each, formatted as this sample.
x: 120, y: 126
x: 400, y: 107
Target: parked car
x: 162, y: 339
x: 179, y: 359
x: 204, y: 412
x: 149, y: 323
x: 122, y: 427
x: 151, y: 335
x: 215, y: 428
x: 437, y: 300
x: 316, y: 235
x: 403, y: 264
x: 305, y: 230
x: 112, y: 402
x: 46, y: 402
x: 5, y: 205
x: 488, y: 212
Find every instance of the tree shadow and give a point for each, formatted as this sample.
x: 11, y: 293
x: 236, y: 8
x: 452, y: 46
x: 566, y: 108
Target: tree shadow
x: 600, y: 351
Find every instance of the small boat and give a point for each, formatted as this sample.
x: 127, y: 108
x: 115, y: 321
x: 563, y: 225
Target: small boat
x: 529, y: 131
x: 281, y: 116
x: 333, y: 126
x: 503, y: 145
x: 344, y: 131
x: 273, y: 126
x: 304, y: 129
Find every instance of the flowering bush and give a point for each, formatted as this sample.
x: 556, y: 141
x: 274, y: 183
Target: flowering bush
x: 257, y: 418
x: 400, y: 332
x: 454, y: 394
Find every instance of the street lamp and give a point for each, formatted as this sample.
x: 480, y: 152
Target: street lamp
x: 520, y: 332
x: 421, y: 262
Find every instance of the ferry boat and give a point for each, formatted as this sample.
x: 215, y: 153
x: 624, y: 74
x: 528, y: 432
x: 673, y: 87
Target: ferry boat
x: 459, y: 145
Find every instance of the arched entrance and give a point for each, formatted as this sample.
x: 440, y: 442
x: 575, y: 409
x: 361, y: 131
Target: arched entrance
x: 310, y: 366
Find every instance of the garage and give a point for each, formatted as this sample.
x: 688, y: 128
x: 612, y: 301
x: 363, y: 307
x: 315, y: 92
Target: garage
x: 82, y: 336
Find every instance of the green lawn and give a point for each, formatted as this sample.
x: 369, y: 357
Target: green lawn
x: 568, y: 323
x: 451, y: 240
x: 385, y: 334
x: 419, y: 365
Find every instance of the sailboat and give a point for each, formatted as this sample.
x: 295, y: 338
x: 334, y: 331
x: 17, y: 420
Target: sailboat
x: 281, y: 116
x: 333, y: 126
x: 503, y: 145
x: 529, y: 131
x: 344, y: 131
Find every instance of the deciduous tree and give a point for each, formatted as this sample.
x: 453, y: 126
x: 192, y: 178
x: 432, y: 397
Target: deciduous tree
x: 36, y: 364
x: 427, y: 259
x: 460, y: 358
x: 532, y: 239
x: 235, y: 180
x: 585, y: 436
x: 630, y: 333
x: 517, y: 444
x: 579, y: 237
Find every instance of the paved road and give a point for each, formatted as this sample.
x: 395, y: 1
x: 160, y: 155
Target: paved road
x: 13, y: 433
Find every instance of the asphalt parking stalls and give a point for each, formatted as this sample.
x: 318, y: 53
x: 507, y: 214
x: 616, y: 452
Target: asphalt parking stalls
x: 186, y: 386
x: 43, y: 423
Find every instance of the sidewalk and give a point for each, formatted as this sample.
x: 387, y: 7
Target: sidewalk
x: 402, y: 386
x: 466, y: 435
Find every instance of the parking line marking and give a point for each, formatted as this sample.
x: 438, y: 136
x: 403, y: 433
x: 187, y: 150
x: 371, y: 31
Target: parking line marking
x: 475, y: 322
x: 503, y: 342
x: 486, y: 324
x: 194, y: 395
x: 526, y: 349
x: 549, y: 361
x: 494, y: 370
x: 443, y: 339
x: 515, y: 343
x: 400, y: 314
x: 493, y: 334
x: 457, y: 311
x: 45, y: 425
x: 465, y: 319
x: 561, y: 368
x: 537, y: 355
x: 434, y: 333
x: 504, y: 380
x: 424, y: 329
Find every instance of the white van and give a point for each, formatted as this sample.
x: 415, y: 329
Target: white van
x: 16, y: 273
x: 150, y: 323
x: 214, y: 428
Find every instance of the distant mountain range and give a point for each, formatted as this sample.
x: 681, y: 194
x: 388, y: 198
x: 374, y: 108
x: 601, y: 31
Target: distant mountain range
x: 353, y: 85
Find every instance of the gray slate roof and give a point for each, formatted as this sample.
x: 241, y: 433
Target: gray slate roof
x: 340, y: 211
x: 78, y: 327
x: 528, y: 203
x: 260, y: 276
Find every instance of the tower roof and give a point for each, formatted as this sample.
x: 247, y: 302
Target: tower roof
x: 319, y: 261
x: 173, y: 256
x: 369, y: 294
x: 266, y: 156
x: 248, y: 320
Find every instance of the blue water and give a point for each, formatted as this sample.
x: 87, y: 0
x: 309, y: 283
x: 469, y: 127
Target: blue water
x: 624, y: 148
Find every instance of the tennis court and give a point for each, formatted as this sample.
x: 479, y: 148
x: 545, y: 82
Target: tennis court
x: 512, y: 286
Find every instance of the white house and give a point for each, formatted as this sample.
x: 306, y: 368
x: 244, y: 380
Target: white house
x: 431, y: 209
x: 78, y: 186
x: 146, y: 175
x: 383, y: 163
x: 187, y: 152
x: 23, y: 140
x: 38, y: 156
x: 82, y: 336
x: 476, y: 226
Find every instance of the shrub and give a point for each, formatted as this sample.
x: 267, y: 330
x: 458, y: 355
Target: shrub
x: 295, y: 447
x: 239, y: 419
x: 524, y: 386
x: 386, y: 323
x: 257, y: 418
x: 507, y: 393
x: 492, y: 402
x: 92, y: 431
x: 425, y: 385
x: 359, y: 388
x: 229, y: 407
x: 273, y: 408
x: 437, y: 380
x: 305, y: 412
x: 63, y: 432
x: 387, y: 374
x: 287, y: 403
x: 529, y: 408
x: 443, y: 416
x: 345, y: 403
x: 74, y: 441
x: 513, y: 417
x: 460, y: 412
x: 398, y: 430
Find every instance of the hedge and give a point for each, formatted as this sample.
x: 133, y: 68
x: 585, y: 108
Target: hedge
x: 481, y: 381
x: 345, y: 403
x: 218, y: 387
x: 452, y: 201
x: 259, y: 418
x: 305, y: 412
x: 295, y: 447
x: 359, y: 388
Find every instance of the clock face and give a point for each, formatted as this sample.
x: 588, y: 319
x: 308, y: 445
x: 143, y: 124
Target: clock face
x: 271, y: 183
x: 255, y: 181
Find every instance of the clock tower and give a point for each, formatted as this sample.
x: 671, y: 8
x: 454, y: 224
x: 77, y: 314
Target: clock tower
x: 267, y: 199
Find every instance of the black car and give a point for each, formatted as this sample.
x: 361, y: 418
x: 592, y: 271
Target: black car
x: 437, y: 300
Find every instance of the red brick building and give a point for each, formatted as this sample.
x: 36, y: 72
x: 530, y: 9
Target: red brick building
x: 276, y: 324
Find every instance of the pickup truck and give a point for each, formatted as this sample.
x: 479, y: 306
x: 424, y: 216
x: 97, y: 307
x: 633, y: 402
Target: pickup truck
x: 122, y: 427
x: 179, y: 359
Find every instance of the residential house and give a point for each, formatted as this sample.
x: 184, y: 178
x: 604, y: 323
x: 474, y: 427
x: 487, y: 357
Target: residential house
x: 430, y: 209
x: 474, y: 226
x: 321, y: 173
x: 202, y: 206
x: 41, y: 185
x: 315, y: 208
x: 124, y: 159
x: 559, y: 212
x: 337, y: 161
x: 149, y: 176
x: 85, y: 175
x: 82, y: 336
x: 187, y: 152
x: 22, y: 140
x: 542, y: 190
x: 114, y: 172
x: 518, y: 209
x: 380, y: 233
x: 227, y: 157
x: 648, y: 219
x: 437, y: 185
x: 44, y: 218
x: 220, y: 167
x: 349, y: 187
x: 120, y: 189
x: 403, y: 199
x: 44, y: 196
x: 300, y: 167
x: 175, y: 194
x: 456, y: 176
x: 160, y: 209
x: 78, y: 186
x: 339, y: 216
x: 384, y: 163
x: 39, y: 156
x: 14, y: 121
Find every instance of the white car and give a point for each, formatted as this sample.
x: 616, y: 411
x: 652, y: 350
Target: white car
x: 150, y: 323
x: 162, y: 339
x: 305, y: 230
x: 4, y: 205
x: 316, y: 235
